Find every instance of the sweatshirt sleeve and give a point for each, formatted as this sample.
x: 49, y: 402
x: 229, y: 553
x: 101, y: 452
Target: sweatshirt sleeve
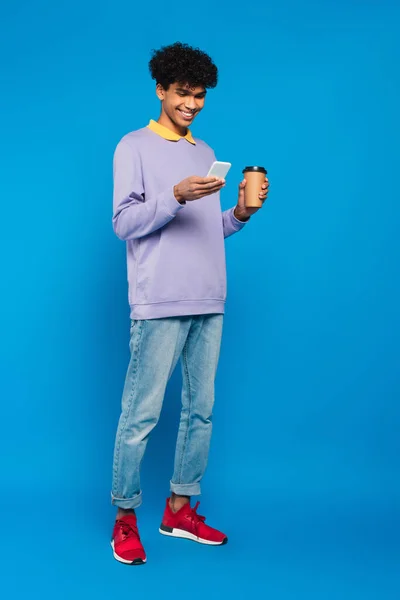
x: 230, y: 223
x: 134, y: 214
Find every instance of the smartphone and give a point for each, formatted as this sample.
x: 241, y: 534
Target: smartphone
x: 219, y: 169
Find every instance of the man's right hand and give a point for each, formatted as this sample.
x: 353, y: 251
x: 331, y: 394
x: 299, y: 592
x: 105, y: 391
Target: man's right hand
x: 195, y: 187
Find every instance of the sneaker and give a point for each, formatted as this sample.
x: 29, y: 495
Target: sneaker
x: 126, y: 543
x: 187, y: 524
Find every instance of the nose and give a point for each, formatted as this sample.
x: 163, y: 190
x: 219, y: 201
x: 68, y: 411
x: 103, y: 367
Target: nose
x: 190, y: 103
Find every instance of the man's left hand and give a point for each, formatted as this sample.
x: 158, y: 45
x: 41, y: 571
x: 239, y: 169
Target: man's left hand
x: 241, y: 212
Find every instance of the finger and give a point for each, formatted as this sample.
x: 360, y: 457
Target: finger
x: 212, y: 185
x: 242, y: 186
x: 216, y: 183
x: 201, y: 181
x: 201, y: 194
x: 208, y: 180
x: 208, y: 192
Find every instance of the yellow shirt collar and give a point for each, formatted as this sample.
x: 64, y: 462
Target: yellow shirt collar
x: 167, y: 134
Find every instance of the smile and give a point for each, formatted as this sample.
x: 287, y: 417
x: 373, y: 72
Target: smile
x: 187, y: 115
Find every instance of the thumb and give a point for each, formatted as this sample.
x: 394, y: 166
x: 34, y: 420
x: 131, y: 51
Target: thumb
x: 242, y: 185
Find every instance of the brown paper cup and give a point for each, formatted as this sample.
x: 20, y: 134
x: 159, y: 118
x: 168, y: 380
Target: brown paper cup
x: 255, y: 178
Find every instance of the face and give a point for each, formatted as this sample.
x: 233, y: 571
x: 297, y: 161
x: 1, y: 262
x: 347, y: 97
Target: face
x: 181, y: 103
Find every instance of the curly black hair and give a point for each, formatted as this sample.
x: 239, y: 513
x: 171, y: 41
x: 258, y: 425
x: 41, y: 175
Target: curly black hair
x: 180, y: 63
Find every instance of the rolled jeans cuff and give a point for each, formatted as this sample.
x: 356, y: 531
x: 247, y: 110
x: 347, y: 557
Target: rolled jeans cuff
x: 186, y: 489
x: 134, y: 502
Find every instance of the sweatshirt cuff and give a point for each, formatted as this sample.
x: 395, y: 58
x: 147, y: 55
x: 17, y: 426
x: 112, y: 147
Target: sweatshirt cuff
x: 171, y: 203
x: 237, y: 225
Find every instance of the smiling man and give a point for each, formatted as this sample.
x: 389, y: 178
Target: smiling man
x: 169, y: 214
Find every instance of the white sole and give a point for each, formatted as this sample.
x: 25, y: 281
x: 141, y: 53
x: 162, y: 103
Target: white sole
x: 122, y: 560
x: 181, y: 533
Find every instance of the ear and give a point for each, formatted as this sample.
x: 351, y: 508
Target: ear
x: 160, y: 91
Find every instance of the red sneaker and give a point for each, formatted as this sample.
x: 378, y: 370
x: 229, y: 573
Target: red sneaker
x: 186, y: 523
x: 126, y: 543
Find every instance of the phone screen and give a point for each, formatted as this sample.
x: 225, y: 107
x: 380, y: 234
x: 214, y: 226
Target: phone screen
x: 219, y: 169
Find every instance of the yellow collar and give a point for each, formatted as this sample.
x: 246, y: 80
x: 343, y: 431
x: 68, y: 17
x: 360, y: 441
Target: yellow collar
x: 167, y: 134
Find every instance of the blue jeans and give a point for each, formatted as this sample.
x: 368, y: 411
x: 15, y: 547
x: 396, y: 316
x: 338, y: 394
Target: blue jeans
x: 156, y: 346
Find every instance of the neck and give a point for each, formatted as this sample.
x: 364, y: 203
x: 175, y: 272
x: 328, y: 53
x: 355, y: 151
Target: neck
x: 166, y: 122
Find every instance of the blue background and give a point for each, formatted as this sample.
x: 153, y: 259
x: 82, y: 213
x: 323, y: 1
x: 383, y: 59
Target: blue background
x: 304, y: 463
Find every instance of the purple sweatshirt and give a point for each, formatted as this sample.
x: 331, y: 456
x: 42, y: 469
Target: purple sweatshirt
x: 175, y: 252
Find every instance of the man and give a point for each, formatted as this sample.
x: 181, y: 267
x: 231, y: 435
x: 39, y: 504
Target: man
x: 170, y: 216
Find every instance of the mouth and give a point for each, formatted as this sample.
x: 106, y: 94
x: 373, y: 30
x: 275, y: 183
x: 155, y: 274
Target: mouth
x: 188, y: 116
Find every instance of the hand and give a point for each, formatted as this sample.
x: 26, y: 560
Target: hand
x: 241, y: 212
x: 195, y: 187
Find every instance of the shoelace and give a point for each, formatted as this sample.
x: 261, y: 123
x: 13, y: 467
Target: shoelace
x: 127, y: 529
x: 195, y: 517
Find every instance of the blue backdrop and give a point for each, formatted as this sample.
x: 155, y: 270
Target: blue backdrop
x: 303, y: 472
